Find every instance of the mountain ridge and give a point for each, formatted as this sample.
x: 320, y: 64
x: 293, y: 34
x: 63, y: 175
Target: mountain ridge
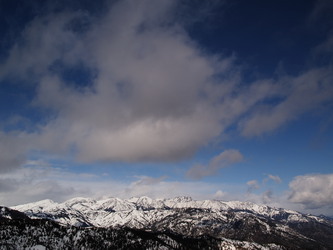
x: 230, y: 220
x: 114, y: 204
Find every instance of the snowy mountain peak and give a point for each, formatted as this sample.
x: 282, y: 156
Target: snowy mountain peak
x: 79, y: 200
x: 117, y: 204
x: 183, y: 216
x: 135, y: 210
x: 39, y: 205
x: 114, y: 204
x: 182, y: 199
x: 144, y: 200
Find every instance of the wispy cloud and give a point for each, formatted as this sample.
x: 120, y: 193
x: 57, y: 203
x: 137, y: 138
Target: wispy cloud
x: 274, y: 178
x: 252, y: 185
x: 224, y: 159
x: 305, y: 93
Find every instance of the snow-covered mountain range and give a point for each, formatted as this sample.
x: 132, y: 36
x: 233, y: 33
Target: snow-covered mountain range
x: 230, y: 222
x: 142, y: 212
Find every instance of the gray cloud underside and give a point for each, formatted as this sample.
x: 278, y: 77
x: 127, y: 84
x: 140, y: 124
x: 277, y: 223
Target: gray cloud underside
x: 155, y: 95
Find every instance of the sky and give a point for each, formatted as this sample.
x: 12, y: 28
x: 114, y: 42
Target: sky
x: 228, y: 100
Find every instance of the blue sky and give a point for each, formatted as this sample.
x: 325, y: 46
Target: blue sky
x: 226, y: 100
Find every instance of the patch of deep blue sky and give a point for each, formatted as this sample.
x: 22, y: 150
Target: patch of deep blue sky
x: 268, y: 38
x: 263, y: 34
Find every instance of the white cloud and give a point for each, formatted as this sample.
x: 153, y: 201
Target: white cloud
x: 312, y: 191
x: 222, y: 160
x: 44, y: 181
x: 161, y: 188
x: 156, y: 95
x: 150, y: 99
x: 274, y: 178
x: 40, y: 180
x: 219, y: 195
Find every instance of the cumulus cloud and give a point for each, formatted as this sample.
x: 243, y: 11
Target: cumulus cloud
x: 149, y: 99
x: 152, y: 93
x: 312, y: 191
x: 222, y: 160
